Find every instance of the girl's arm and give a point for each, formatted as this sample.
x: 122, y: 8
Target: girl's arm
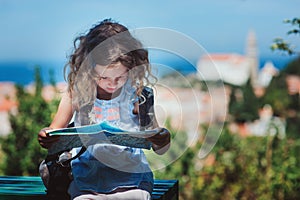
x: 64, y: 113
x: 61, y: 120
x: 161, y: 141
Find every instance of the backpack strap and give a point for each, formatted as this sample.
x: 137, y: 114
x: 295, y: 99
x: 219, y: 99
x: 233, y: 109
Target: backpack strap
x: 146, y: 110
x: 67, y: 162
x: 64, y: 162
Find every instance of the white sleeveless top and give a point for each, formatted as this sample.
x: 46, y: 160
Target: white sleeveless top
x: 106, y: 167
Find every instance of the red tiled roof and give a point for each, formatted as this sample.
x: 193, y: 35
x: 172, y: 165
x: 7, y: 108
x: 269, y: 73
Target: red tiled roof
x: 6, y: 104
x: 224, y: 57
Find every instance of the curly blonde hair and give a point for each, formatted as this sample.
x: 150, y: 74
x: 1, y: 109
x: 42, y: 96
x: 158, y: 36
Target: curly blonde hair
x: 105, y: 44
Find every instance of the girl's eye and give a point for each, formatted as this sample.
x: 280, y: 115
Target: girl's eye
x: 103, y: 78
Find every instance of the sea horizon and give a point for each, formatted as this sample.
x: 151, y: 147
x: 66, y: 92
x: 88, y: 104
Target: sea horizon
x: 22, y: 72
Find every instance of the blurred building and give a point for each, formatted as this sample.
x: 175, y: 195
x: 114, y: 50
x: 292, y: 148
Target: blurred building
x: 293, y: 84
x: 9, y: 105
x: 237, y: 69
x: 267, y: 124
x: 266, y: 74
x: 228, y: 67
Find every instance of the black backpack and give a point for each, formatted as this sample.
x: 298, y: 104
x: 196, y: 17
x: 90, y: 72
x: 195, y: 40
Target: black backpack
x: 58, y: 164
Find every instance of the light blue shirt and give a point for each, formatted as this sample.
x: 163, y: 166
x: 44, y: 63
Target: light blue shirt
x: 106, y: 167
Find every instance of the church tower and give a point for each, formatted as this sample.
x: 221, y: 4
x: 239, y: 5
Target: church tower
x: 252, y: 56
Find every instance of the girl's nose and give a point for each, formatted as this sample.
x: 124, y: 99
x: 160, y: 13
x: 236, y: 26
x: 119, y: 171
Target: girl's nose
x: 113, y: 82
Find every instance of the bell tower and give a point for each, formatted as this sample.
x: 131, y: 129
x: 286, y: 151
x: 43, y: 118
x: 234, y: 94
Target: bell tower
x: 252, y: 56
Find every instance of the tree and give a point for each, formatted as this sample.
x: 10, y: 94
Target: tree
x: 243, y: 105
x: 285, y: 102
x: 281, y: 44
x: 22, y: 151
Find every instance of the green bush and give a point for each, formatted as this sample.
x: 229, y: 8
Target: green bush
x: 22, y: 152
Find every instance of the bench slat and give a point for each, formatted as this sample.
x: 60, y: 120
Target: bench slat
x: 32, y: 187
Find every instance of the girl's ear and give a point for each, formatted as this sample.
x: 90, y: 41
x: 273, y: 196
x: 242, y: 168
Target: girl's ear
x: 136, y: 108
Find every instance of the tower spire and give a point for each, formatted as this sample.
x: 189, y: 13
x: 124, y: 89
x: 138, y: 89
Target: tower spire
x: 252, y: 56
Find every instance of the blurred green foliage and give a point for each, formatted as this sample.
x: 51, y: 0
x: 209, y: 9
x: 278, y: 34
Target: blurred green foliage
x: 239, y: 168
x: 243, y: 105
x: 22, y: 152
x: 284, y: 104
x: 247, y: 167
x: 284, y: 46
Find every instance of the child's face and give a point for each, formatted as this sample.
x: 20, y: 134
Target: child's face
x: 111, y: 78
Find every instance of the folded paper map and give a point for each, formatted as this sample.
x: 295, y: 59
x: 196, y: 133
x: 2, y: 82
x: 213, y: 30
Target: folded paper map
x: 99, y: 133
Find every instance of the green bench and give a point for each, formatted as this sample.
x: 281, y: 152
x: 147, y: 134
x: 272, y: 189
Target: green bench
x: 32, y: 188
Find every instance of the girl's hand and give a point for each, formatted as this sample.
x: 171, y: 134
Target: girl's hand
x: 45, y: 140
x: 161, y: 141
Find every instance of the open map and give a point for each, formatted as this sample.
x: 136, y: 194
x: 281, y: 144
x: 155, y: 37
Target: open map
x: 99, y: 133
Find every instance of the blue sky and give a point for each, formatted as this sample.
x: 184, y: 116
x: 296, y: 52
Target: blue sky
x: 44, y: 30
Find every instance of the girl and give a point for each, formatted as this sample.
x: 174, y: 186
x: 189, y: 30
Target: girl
x: 107, y: 73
